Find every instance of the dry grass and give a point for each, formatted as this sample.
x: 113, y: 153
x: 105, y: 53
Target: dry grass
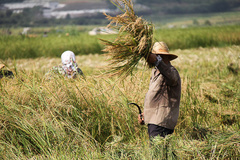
x: 65, y: 119
x: 133, y: 42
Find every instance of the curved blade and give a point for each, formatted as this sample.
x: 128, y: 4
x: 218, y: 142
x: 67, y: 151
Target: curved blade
x: 139, y: 109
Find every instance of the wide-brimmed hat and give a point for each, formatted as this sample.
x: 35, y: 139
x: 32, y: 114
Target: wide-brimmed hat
x: 162, y: 49
x: 2, y: 66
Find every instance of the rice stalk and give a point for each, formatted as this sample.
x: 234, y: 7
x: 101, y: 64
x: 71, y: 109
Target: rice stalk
x: 133, y: 42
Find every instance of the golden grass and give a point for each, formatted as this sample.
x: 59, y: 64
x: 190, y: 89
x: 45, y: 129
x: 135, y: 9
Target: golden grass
x: 133, y: 42
x: 52, y: 109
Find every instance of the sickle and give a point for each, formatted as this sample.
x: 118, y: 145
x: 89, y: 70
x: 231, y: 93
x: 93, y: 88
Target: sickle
x: 139, y: 109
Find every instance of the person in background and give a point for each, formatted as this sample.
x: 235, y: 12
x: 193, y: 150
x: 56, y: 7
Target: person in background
x: 4, y: 72
x: 69, y: 67
x: 161, y: 106
x: 45, y: 34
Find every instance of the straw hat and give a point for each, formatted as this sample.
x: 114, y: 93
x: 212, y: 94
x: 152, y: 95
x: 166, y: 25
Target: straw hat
x: 162, y: 49
x: 2, y: 66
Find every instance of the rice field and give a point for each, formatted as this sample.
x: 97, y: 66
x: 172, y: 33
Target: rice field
x: 77, y: 119
x: 59, y: 39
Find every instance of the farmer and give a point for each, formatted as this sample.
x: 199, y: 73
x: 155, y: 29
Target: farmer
x: 161, y: 106
x: 4, y: 72
x: 69, y: 67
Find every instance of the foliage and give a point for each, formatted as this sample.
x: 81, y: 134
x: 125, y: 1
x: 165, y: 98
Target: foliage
x: 27, y: 46
x: 199, y: 37
x: 10, y: 1
x: 76, y: 39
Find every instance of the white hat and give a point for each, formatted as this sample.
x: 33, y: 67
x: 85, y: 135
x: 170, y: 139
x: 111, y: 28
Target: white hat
x: 68, y: 57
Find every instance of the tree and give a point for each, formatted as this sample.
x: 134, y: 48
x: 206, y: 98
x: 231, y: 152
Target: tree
x: 10, y: 1
x: 208, y: 23
x: 68, y: 16
x: 195, y: 22
x: 220, y: 6
x: 9, y: 13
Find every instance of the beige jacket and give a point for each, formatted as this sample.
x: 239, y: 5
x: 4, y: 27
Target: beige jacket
x: 161, y: 106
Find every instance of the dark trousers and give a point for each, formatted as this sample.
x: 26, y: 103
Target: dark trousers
x: 155, y: 130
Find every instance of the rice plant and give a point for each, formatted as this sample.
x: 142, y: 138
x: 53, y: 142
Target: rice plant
x: 134, y: 40
x: 76, y: 119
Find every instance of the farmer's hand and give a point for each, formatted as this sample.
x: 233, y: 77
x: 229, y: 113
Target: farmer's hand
x: 141, y: 119
x: 152, y: 58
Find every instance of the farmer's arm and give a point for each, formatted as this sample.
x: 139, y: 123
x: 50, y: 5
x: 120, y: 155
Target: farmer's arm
x: 169, y: 72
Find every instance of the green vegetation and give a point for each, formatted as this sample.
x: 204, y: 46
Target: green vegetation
x: 35, y: 45
x: 77, y: 119
x: 190, y: 6
x: 216, y: 19
x: 199, y: 37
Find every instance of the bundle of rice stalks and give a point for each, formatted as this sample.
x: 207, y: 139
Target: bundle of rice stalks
x: 133, y: 42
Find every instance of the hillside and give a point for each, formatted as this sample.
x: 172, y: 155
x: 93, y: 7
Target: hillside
x: 83, y: 5
x: 165, y: 12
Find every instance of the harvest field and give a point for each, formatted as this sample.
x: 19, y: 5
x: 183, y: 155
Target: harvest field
x: 78, y: 119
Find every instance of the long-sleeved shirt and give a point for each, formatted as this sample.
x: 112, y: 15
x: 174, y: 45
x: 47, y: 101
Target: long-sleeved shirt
x: 161, y: 106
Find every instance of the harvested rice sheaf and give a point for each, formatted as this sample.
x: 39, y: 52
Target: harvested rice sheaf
x: 133, y: 42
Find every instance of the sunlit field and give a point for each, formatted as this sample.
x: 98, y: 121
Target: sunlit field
x: 91, y: 119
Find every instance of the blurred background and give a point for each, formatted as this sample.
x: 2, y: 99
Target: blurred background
x: 164, y: 13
